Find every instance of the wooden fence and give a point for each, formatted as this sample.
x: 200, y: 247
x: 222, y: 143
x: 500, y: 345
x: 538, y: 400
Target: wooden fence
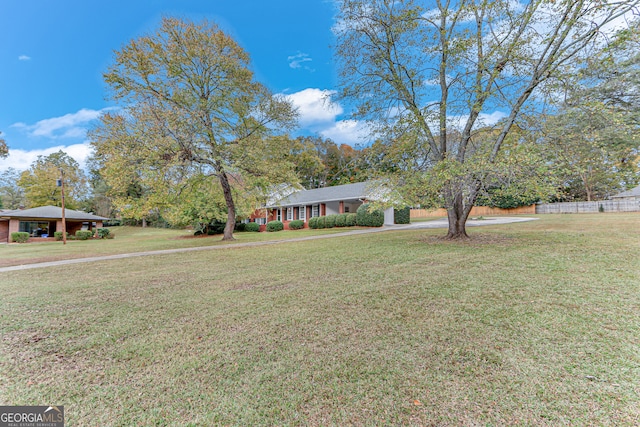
x: 475, y: 211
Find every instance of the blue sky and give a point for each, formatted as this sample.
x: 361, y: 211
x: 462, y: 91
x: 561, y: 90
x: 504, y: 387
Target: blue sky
x: 53, y: 54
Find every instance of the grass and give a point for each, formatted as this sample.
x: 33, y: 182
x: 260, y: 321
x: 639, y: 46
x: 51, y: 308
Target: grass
x: 132, y: 239
x: 532, y: 323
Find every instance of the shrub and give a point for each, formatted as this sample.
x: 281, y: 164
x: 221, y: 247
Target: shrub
x: 275, y: 226
x: 103, y: 233
x: 402, y: 216
x: 296, y: 225
x: 365, y: 218
x: 351, y: 220
x: 322, y: 222
x: 20, y: 237
x: 313, y: 222
x: 84, y: 234
x: 341, y: 220
x: 506, y: 198
x: 240, y: 226
x: 216, y: 227
x: 58, y: 235
x: 252, y: 226
x: 330, y: 221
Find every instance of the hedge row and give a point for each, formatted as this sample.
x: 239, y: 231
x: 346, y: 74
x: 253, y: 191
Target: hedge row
x: 330, y: 221
x: 363, y: 217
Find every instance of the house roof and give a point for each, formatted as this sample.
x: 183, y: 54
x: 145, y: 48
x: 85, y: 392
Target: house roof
x: 357, y: 191
x: 51, y: 212
x: 634, y: 192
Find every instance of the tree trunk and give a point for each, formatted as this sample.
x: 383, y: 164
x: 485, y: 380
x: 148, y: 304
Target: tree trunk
x: 457, y: 215
x: 231, y: 207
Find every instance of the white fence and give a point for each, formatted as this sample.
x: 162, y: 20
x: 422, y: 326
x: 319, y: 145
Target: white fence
x: 622, y: 205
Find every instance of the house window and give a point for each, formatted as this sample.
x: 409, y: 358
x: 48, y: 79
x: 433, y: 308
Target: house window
x: 279, y: 214
x: 302, y: 213
x: 289, y: 214
x: 261, y: 221
x: 34, y: 228
x: 315, y: 211
x: 346, y: 209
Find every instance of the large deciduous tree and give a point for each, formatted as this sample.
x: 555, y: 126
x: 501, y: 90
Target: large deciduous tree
x: 321, y: 163
x: 192, y: 108
x: 595, y: 150
x: 593, y: 139
x: 39, y: 182
x: 11, y: 194
x: 611, y: 76
x: 431, y: 71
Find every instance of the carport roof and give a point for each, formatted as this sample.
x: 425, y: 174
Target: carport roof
x: 51, y: 212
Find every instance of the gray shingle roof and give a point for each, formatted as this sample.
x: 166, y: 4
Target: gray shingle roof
x: 634, y: 192
x: 52, y: 212
x: 360, y: 190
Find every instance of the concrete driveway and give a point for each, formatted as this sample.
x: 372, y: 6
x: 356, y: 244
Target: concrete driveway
x: 443, y: 223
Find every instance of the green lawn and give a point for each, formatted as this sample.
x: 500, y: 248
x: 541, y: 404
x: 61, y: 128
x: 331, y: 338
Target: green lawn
x: 132, y: 239
x: 532, y: 323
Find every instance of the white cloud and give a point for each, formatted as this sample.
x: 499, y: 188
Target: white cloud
x: 22, y: 159
x: 491, y: 119
x: 24, y: 58
x: 315, y: 106
x: 350, y: 132
x: 435, y: 81
x: 298, y: 60
x: 484, y: 119
x: 620, y: 23
x: 433, y: 15
x: 73, y: 125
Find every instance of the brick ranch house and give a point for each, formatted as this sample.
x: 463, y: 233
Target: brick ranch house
x: 306, y: 204
x: 44, y: 221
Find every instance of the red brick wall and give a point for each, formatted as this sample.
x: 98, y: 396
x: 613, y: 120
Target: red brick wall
x: 4, y: 231
x: 14, y: 226
x: 72, y: 227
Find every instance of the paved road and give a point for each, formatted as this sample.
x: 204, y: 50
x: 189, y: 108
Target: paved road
x: 438, y: 223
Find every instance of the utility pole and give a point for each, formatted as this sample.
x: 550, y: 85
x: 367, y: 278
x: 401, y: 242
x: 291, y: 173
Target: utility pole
x: 64, y: 221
